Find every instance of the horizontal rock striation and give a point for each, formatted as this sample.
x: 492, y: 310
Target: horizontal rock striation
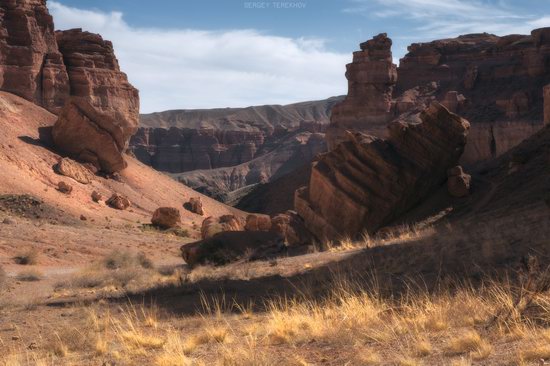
x: 367, y: 106
x: 31, y: 65
x: 501, y: 79
x: 95, y: 76
x: 366, y: 182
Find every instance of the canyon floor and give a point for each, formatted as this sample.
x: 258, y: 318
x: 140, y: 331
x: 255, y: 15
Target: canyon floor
x: 85, y: 284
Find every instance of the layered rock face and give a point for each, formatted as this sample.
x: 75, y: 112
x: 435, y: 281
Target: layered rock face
x: 367, y: 106
x: 366, y: 182
x: 31, y: 65
x: 95, y: 76
x: 501, y: 79
x: 185, y: 140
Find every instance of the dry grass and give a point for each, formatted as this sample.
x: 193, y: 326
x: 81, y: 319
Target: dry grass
x: 27, y: 257
x: 351, y: 325
x: 395, y: 235
x: 120, y: 272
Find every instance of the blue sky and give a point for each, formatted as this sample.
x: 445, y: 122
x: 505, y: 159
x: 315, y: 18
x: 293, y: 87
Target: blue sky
x: 228, y: 53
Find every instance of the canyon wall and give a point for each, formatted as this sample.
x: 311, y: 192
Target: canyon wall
x: 31, y: 65
x: 185, y: 140
x: 501, y: 78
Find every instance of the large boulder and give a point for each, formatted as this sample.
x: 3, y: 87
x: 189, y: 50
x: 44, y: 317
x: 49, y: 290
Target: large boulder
x: 118, y: 201
x: 229, y: 246
x: 214, y: 225
x: 90, y: 136
x: 166, y: 217
x: 366, y: 182
x: 257, y: 222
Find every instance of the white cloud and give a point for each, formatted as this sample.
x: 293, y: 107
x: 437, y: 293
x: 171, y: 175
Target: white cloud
x: 446, y: 18
x: 189, y: 68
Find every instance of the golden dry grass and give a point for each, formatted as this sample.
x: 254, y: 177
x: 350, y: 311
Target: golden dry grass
x: 352, y: 324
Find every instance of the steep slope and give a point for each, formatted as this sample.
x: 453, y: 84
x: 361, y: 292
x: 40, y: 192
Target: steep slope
x: 27, y: 160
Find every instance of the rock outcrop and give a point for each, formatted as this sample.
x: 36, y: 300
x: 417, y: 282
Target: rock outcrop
x: 47, y: 68
x: 367, y: 106
x: 501, y: 79
x: 90, y: 136
x: 31, y: 65
x: 366, y: 182
x: 166, y: 217
x: 95, y: 76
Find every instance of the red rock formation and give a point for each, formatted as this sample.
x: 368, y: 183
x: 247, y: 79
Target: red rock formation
x: 90, y: 136
x: 547, y: 104
x: 366, y: 182
x: 95, y: 76
x: 371, y: 77
x: 31, y: 65
x: 501, y: 78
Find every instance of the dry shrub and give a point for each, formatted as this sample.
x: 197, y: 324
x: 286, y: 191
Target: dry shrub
x: 30, y: 275
x: 27, y: 257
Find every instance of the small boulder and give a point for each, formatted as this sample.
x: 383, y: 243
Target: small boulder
x: 291, y: 227
x: 64, y: 187
x: 458, y: 182
x: 74, y: 170
x: 214, y: 225
x: 83, y: 218
x: 97, y: 197
x: 118, y: 202
x: 256, y: 222
x: 166, y: 217
x: 229, y: 246
x: 194, y: 205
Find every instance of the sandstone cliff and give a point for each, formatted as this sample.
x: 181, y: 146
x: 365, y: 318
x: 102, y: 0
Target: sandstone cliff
x: 94, y: 75
x: 367, y: 106
x: 501, y: 78
x: 366, y: 182
x: 31, y: 65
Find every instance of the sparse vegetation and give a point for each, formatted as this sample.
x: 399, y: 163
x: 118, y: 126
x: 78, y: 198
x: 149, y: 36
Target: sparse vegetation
x: 30, y: 275
x: 27, y: 257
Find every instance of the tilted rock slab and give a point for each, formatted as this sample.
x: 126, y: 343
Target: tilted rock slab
x: 366, y: 182
x: 90, y: 136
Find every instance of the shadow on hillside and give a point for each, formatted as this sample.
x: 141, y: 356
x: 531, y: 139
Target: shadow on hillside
x: 44, y: 139
x: 471, y: 251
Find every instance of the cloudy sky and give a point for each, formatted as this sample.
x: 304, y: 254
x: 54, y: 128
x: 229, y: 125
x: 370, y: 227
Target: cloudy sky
x: 235, y: 53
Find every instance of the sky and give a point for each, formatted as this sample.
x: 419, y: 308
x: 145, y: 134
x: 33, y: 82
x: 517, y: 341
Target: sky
x: 184, y: 54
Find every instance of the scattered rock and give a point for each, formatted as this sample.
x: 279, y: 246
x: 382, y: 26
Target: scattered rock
x: 9, y: 221
x: 83, y: 218
x: 97, y: 197
x: 118, y: 202
x: 73, y: 169
x: 214, y: 225
x: 166, y: 217
x: 257, y: 222
x: 458, y: 182
x: 229, y: 246
x: 194, y: 205
x: 64, y: 187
